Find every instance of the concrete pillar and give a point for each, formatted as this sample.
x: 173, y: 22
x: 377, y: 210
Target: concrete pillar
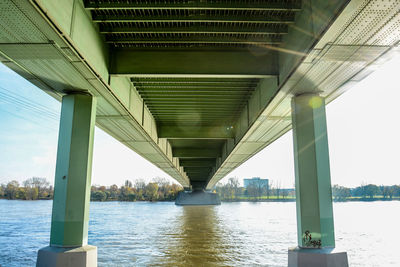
x: 315, y: 229
x: 70, y: 217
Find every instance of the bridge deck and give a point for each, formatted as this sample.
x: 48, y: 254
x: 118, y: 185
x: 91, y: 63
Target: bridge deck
x: 197, y: 87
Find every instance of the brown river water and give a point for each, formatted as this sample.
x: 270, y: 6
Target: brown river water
x: 233, y: 234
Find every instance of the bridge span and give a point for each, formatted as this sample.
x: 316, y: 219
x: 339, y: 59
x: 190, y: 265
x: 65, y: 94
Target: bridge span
x: 196, y: 87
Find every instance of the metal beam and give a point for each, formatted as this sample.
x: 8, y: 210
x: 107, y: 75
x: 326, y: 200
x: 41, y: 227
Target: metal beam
x: 199, y: 184
x: 191, y: 109
x: 268, y: 39
x: 205, y: 132
x: 202, y: 178
x: 265, y: 29
x: 182, y: 96
x: 193, y: 104
x: 195, y: 113
x: 194, y: 80
x: 200, y: 90
x: 197, y: 162
x: 134, y: 62
x: 197, y: 170
x: 202, y: 76
x: 194, y: 85
x: 285, y: 18
x: 196, y: 152
x: 195, y: 5
x: 200, y: 94
x: 190, y: 120
x: 194, y: 99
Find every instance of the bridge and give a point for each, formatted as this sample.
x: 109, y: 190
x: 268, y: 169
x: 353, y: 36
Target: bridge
x: 196, y: 87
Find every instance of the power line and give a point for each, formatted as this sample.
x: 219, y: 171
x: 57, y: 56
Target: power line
x: 28, y: 102
x: 36, y: 109
x: 30, y: 106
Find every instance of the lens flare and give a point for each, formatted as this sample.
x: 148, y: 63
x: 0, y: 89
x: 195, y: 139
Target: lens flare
x: 315, y: 102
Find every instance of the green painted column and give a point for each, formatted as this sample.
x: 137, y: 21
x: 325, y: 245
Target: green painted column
x: 69, y: 225
x: 312, y: 172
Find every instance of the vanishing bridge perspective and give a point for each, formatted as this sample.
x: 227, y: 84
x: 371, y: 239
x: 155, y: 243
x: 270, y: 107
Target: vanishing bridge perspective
x: 196, y: 87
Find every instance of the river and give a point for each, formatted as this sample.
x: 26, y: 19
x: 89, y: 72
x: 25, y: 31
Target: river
x: 233, y: 234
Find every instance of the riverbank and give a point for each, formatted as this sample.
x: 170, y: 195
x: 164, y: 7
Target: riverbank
x: 352, y: 199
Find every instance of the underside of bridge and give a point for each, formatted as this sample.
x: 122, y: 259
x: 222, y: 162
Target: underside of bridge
x: 195, y: 65
x: 196, y: 87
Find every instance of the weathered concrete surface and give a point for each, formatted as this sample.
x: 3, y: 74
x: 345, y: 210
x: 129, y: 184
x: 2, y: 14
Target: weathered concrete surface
x: 85, y: 256
x: 324, y: 257
x: 197, y: 198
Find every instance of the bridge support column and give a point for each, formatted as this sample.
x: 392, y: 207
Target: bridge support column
x: 315, y: 229
x: 70, y: 218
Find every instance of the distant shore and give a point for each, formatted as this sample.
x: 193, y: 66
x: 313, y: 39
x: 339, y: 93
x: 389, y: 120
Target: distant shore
x: 245, y: 200
x: 351, y: 199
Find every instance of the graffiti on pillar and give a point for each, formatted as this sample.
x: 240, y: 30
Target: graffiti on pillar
x: 308, y: 241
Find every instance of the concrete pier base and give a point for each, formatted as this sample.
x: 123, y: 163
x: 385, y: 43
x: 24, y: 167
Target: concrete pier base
x: 197, y: 198
x: 310, y: 257
x: 85, y: 256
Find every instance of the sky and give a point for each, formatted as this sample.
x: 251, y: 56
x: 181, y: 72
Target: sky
x: 363, y: 134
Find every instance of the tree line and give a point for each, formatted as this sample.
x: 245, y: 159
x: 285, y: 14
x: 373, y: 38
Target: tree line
x: 31, y: 189
x: 366, y: 192
x: 232, y: 191
x: 159, y: 189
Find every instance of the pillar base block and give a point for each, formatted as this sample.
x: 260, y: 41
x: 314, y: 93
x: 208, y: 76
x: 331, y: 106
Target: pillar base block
x: 85, y: 256
x: 197, y: 198
x: 310, y: 257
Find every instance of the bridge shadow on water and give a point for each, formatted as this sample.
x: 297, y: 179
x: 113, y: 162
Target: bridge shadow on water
x: 195, y: 239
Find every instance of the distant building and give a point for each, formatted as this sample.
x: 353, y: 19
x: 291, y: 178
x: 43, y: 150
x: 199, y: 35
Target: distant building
x: 257, y: 181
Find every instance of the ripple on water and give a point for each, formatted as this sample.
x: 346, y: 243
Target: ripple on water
x: 233, y: 234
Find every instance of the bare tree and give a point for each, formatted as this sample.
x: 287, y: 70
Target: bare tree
x: 128, y: 183
x: 278, y: 187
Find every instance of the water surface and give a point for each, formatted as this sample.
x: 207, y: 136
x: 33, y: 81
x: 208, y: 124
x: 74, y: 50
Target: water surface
x: 233, y: 234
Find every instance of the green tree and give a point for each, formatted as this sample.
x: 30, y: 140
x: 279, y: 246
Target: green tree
x: 371, y: 190
x: 131, y: 196
x: 163, y: 187
x: 125, y: 193
x: 340, y: 192
x: 41, y: 184
x: 2, y: 189
x: 151, y: 191
x: 11, y: 189
x: 174, y: 189
x: 31, y: 192
x: 20, y: 194
x: 98, y: 196
x: 140, y: 186
x: 396, y: 190
x: 387, y: 191
x: 114, y: 192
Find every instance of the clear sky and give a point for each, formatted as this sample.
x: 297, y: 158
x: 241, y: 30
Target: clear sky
x: 363, y: 134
